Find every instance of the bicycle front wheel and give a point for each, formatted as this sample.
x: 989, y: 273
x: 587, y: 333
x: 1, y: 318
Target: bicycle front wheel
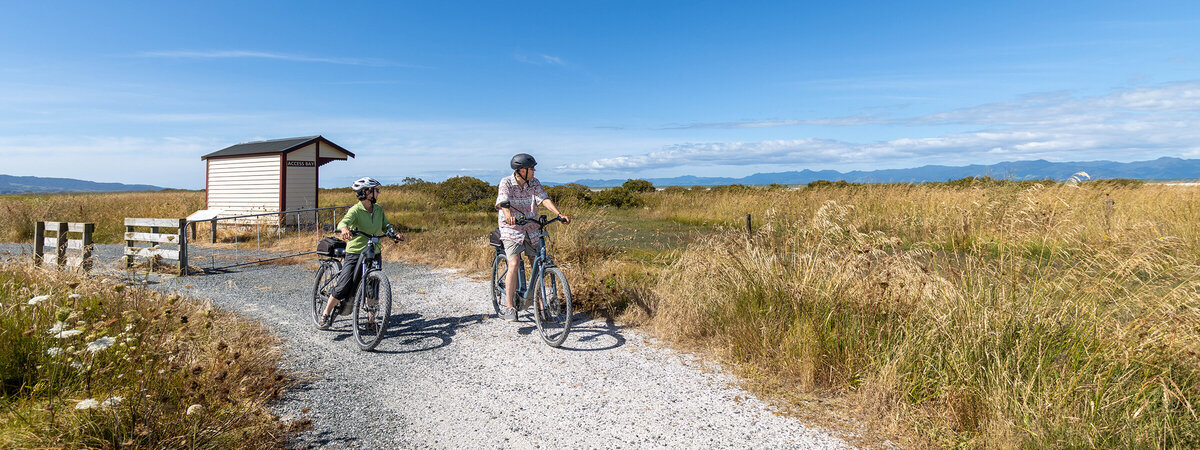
x: 372, y: 310
x: 553, y: 316
x: 326, y: 280
x: 499, y: 271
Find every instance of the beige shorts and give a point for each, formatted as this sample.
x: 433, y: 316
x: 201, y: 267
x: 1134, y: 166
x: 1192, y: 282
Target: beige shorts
x: 512, y: 249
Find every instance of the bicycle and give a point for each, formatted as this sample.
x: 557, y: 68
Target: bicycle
x: 551, y: 293
x: 372, y: 305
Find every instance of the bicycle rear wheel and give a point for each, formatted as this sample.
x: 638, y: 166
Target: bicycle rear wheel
x: 326, y: 280
x: 499, y: 271
x: 553, y: 315
x: 372, y: 310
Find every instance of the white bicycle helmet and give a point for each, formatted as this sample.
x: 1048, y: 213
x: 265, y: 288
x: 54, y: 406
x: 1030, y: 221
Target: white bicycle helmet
x: 361, y: 186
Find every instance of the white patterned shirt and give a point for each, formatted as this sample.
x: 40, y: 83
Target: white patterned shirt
x: 524, y: 200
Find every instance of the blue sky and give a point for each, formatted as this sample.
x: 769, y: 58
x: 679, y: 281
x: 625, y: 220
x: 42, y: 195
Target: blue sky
x: 137, y: 92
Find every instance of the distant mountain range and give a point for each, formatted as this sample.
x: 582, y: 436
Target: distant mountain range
x: 1165, y: 168
x: 21, y: 185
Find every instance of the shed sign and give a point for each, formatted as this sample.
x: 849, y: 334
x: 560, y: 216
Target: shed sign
x: 301, y: 164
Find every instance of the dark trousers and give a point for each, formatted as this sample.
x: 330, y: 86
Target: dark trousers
x: 350, y: 275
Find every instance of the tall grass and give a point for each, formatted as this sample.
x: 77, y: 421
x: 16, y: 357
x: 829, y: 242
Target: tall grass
x: 1011, y: 319
x: 90, y: 363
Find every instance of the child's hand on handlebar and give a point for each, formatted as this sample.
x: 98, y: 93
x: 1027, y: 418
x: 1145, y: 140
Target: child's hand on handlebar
x: 346, y: 234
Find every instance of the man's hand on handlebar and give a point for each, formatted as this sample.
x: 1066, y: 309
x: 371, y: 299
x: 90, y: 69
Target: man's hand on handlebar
x: 566, y: 220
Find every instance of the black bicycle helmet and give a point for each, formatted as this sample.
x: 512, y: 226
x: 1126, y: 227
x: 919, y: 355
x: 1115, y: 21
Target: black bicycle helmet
x: 522, y: 161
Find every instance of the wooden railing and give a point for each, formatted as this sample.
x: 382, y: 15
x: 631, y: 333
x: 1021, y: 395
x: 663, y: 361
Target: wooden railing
x: 156, y: 239
x: 61, y: 243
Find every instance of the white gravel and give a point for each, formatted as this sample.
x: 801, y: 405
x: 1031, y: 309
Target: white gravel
x: 451, y: 375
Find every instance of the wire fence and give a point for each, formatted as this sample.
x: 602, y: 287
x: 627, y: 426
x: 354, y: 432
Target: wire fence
x: 226, y: 242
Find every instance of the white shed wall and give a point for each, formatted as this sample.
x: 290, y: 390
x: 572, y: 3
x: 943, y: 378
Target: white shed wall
x: 302, y: 181
x: 245, y: 185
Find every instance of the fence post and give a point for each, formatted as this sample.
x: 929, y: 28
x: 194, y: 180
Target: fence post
x: 748, y: 231
x: 39, y: 242
x: 182, y: 241
x: 86, y: 261
x: 61, y: 244
x: 212, y: 226
x: 128, y: 244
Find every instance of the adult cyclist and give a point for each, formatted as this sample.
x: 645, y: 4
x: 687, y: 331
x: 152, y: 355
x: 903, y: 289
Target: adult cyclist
x: 523, y: 192
x: 365, y: 216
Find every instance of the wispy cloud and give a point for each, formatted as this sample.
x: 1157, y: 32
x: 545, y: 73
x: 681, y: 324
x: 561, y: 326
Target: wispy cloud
x: 251, y: 54
x: 1139, y: 122
x: 539, y: 59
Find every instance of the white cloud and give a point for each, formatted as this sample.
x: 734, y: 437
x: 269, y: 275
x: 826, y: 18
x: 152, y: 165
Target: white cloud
x: 1143, y: 122
x: 539, y: 59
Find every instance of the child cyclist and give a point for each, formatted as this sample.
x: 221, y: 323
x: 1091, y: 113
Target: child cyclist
x: 368, y: 217
x: 522, y: 192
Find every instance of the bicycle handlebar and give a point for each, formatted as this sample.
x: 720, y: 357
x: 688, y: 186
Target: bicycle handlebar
x: 390, y: 234
x: 541, y: 221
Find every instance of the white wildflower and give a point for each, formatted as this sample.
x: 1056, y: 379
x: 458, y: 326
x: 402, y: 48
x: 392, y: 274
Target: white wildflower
x: 53, y: 351
x: 87, y: 404
x: 195, y: 409
x: 100, y: 344
x: 38, y: 299
x: 74, y: 296
x: 57, y: 328
x: 76, y: 365
x: 68, y: 333
x: 113, y: 401
x: 128, y: 327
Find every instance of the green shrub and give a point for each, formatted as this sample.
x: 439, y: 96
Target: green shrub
x: 638, y: 186
x: 466, y: 193
x: 674, y: 189
x: 569, y: 193
x: 617, y: 197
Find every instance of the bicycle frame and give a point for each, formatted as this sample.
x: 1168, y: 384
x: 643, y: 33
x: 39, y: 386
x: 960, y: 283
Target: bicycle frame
x: 537, y: 269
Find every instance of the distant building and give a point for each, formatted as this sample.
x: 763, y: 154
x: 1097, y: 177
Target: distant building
x: 268, y: 176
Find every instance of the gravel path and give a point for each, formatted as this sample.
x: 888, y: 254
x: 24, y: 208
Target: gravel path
x: 451, y: 375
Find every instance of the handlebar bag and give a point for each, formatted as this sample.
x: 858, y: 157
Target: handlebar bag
x: 329, y: 245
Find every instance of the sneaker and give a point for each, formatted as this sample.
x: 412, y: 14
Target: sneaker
x: 509, y: 314
x: 326, y: 322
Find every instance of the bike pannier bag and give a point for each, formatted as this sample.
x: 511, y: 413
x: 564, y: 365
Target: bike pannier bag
x: 494, y: 239
x: 328, y: 245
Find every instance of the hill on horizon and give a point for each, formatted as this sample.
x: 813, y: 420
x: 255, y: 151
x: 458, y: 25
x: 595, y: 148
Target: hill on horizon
x: 1165, y: 168
x: 10, y: 184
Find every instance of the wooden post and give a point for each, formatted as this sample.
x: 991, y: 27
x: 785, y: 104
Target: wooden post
x: 748, y: 231
x: 39, y: 242
x: 182, y: 241
x: 128, y: 244
x: 61, y: 244
x: 86, y: 261
x: 193, y: 231
x: 212, y: 226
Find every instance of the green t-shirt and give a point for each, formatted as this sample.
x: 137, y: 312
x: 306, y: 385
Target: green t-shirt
x: 357, y: 218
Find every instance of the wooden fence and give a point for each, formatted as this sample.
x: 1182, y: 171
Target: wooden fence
x: 61, y: 243
x: 156, y: 239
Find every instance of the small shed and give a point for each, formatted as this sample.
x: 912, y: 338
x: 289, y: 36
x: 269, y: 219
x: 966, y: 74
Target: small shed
x: 268, y: 176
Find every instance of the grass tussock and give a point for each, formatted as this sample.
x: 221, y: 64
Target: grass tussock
x: 91, y: 363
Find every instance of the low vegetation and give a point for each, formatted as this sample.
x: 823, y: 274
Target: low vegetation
x: 93, y: 363
x: 975, y: 312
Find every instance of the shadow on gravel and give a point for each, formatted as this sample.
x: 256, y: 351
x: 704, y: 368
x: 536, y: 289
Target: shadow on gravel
x: 325, y: 438
x: 416, y: 334
x: 591, y: 338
